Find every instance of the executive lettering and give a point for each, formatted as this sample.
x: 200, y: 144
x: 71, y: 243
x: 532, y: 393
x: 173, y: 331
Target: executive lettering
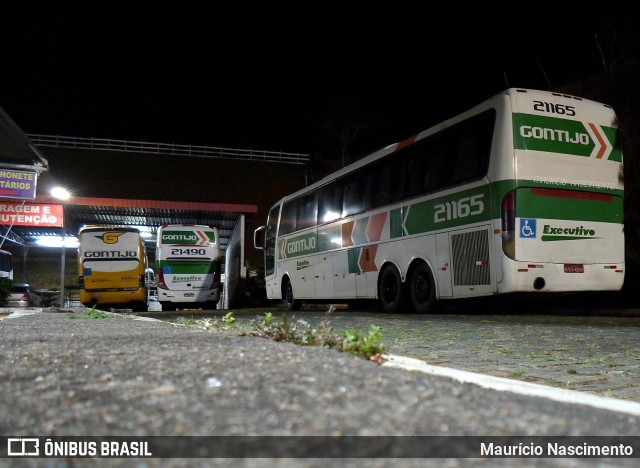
x: 574, y: 231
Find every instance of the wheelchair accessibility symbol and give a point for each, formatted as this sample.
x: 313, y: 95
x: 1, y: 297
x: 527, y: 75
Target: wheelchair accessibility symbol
x: 527, y: 227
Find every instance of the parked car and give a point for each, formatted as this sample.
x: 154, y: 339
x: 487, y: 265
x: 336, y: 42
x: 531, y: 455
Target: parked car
x: 23, y: 295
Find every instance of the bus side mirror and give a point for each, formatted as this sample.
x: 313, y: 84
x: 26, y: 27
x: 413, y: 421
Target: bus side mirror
x: 259, y: 237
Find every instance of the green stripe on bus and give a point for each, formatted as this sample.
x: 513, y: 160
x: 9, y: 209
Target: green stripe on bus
x: 298, y: 246
x: 352, y: 256
x: 186, y: 237
x: 541, y: 133
x: 329, y: 238
x: 530, y: 205
x: 612, y: 136
x: 458, y: 209
x: 395, y: 223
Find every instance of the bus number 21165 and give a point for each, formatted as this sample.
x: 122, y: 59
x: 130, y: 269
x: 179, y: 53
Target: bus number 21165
x: 466, y: 206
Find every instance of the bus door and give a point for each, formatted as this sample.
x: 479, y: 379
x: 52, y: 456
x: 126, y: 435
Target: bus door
x: 470, y: 261
x: 303, y: 278
x: 344, y: 280
x: 367, y: 276
x: 323, y: 274
x: 443, y: 265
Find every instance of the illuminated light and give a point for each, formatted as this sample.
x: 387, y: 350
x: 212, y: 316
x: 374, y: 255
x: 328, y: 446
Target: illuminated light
x: 330, y: 216
x: 60, y: 193
x: 56, y: 241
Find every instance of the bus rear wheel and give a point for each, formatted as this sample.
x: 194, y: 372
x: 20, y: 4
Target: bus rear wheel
x: 423, y: 290
x: 289, y: 299
x: 391, y: 290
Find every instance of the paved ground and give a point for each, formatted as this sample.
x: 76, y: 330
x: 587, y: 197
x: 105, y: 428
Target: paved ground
x: 68, y: 374
x: 599, y: 354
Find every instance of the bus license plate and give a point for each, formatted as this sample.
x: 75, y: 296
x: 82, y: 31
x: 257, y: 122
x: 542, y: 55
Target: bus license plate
x: 192, y: 294
x: 573, y: 268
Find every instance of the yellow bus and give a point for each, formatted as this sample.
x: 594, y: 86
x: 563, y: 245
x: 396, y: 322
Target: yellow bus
x: 111, y: 267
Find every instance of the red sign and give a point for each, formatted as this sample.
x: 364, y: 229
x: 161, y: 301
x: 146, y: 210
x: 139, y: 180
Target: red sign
x: 31, y: 214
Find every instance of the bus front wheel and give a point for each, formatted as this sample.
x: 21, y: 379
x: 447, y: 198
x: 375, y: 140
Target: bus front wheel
x: 289, y: 299
x: 391, y: 290
x: 423, y: 289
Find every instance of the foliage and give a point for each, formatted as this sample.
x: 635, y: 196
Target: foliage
x: 5, y: 288
x: 90, y: 314
x: 301, y: 332
x: 367, y: 345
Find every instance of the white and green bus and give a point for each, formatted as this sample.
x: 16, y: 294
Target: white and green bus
x: 521, y: 194
x: 189, y: 266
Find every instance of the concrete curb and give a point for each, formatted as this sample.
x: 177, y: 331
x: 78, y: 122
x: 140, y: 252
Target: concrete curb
x: 515, y: 386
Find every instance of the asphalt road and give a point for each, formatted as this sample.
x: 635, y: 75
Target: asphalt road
x: 72, y: 374
x: 587, y: 350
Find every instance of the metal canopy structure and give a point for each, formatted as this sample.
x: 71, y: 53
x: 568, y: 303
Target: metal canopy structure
x: 151, y: 214
x: 16, y: 150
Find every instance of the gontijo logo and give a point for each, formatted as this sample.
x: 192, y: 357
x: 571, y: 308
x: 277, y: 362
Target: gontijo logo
x: 110, y: 237
x: 297, y: 246
x: 541, y: 133
x: 188, y: 237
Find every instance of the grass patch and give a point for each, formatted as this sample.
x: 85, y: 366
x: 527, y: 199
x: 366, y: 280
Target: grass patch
x: 368, y: 345
x: 90, y: 314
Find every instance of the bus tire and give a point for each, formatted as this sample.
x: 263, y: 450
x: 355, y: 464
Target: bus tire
x: 391, y: 290
x: 289, y: 299
x: 422, y: 289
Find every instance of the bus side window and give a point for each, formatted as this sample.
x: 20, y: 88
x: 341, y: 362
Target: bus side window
x: 418, y: 172
x: 307, y: 211
x: 352, y: 202
x: 330, y: 202
x: 473, y: 147
x: 389, y: 182
x: 288, y: 217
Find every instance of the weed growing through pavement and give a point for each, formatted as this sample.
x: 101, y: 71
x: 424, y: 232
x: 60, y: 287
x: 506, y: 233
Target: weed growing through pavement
x: 185, y: 322
x: 367, y: 345
x: 90, y: 314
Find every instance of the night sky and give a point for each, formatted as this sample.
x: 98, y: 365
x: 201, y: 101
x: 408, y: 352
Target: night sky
x: 269, y: 77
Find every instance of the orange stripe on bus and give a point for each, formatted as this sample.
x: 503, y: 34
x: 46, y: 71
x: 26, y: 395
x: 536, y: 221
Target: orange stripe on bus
x: 405, y: 143
x: 347, y: 230
x: 603, y: 144
x: 374, y: 228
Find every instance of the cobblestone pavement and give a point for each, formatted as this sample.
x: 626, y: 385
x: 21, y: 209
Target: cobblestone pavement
x: 592, y: 353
